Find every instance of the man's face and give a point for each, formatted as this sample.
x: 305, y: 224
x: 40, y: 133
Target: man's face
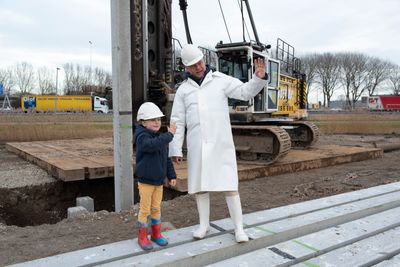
x: 152, y: 124
x: 197, y: 70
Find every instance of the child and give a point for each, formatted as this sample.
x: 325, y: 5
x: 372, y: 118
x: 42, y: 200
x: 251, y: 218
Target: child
x: 152, y: 166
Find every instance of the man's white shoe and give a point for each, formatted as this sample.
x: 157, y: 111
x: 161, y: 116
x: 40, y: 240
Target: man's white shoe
x: 200, y: 233
x: 203, y: 207
x: 241, y: 236
x: 235, y: 210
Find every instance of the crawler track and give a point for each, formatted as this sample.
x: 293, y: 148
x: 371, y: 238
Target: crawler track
x: 302, y: 133
x: 259, y: 142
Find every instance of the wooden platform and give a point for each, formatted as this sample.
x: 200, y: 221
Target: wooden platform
x: 72, y: 160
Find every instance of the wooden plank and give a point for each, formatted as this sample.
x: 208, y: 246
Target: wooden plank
x: 79, y: 159
x: 312, y: 158
x: 70, y: 160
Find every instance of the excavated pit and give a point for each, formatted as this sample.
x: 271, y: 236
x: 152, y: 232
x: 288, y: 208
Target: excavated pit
x: 29, y: 196
x: 48, y: 203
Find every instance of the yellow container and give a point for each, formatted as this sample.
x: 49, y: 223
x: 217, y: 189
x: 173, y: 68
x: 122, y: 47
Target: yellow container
x: 51, y: 103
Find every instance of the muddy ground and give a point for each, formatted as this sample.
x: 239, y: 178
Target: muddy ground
x: 18, y: 244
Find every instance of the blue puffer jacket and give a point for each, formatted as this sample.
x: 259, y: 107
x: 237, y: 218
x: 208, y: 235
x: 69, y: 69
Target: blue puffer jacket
x: 152, y: 161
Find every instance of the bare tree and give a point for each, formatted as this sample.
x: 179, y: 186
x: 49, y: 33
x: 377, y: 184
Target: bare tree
x: 76, y: 77
x: 69, y: 76
x: 328, y: 69
x: 23, y: 74
x: 394, y: 78
x: 378, y: 72
x: 309, y: 67
x: 45, y: 81
x: 6, y: 79
x: 360, y: 78
x: 347, y: 74
x: 101, y: 78
x: 354, y: 76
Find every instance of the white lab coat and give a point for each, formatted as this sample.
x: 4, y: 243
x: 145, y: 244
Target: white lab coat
x: 204, y: 111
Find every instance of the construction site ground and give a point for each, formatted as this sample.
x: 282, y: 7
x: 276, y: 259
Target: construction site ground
x: 23, y: 182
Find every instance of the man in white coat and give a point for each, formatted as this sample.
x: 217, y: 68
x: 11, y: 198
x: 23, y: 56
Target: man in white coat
x: 201, y: 106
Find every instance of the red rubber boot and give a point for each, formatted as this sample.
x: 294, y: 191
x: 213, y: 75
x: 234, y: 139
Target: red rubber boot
x: 143, y: 241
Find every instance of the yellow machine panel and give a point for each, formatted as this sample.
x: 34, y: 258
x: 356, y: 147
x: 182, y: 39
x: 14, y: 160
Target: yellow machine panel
x: 289, y: 98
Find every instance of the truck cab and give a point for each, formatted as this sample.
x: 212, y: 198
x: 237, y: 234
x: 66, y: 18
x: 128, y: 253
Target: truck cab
x: 100, y: 105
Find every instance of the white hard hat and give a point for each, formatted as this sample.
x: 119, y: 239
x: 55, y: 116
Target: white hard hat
x: 191, y: 55
x: 149, y: 110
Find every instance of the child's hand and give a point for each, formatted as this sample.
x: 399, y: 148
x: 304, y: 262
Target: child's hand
x: 177, y: 160
x: 172, y: 182
x: 172, y: 127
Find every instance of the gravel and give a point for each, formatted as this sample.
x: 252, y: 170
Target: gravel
x: 16, y: 172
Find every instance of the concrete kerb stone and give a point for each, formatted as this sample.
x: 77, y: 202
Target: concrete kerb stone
x: 76, y: 211
x: 86, y: 202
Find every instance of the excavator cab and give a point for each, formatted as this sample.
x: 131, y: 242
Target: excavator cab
x: 236, y: 64
x: 237, y: 60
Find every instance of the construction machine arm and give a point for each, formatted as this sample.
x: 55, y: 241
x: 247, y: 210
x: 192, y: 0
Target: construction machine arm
x: 183, y: 4
x: 253, y: 25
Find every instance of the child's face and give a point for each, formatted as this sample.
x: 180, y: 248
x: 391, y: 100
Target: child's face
x: 152, y: 124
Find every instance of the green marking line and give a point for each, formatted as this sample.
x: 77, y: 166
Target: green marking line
x: 307, y: 263
x: 125, y: 126
x: 262, y: 229
x: 266, y: 230
x: 305, y: 245
x: 310, y: 264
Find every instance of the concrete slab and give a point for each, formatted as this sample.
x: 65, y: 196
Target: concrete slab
x: 301, y: 208
x: 303, y: 248
x: 117, y: 250
x: 219, y: 247
x: 71, y: 160
x: 392, y: 262
x: 267, y: 229
x: 363, y: 253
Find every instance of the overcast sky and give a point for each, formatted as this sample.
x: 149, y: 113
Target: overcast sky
x: 53, y: 32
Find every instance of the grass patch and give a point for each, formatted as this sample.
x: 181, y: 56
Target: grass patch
x: 66, y: 117
x: 364, y: 123
x: 19, y: 127
x: 41, y: 132
x: 40, y: 127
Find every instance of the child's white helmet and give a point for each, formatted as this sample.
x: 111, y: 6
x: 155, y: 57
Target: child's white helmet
x: 149, y: 110
x: 191, y: 55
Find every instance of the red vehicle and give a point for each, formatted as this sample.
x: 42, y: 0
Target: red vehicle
x: 384, y: 102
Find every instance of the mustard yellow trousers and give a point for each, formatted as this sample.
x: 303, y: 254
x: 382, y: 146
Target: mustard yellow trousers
x: 150, y: 201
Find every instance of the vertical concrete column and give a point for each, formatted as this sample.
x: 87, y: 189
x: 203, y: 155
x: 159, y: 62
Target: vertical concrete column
x: 122, y: 104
